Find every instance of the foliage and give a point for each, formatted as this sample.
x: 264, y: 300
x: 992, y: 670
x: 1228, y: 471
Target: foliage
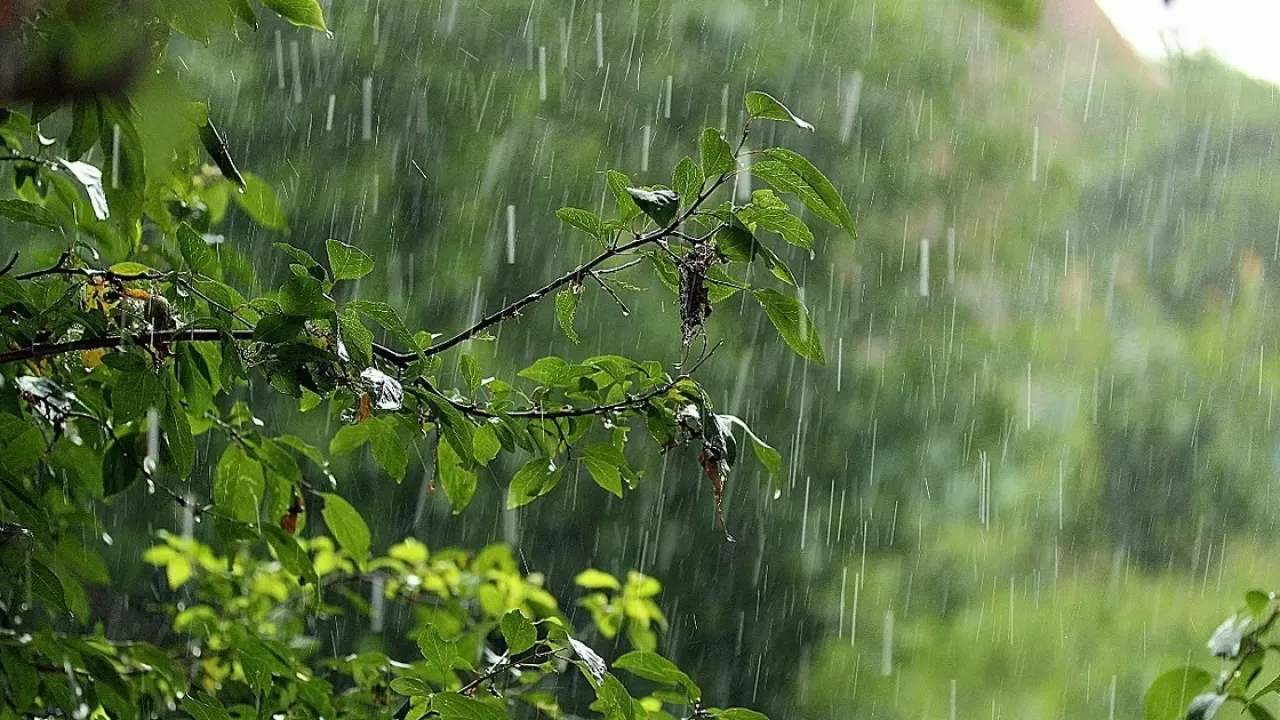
x: 1242, y: 640
x: 132, y: 355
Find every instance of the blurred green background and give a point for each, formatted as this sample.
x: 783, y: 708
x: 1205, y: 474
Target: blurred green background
x: 1020, y: 494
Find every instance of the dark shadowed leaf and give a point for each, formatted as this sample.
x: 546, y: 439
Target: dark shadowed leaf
x: 660, y: 205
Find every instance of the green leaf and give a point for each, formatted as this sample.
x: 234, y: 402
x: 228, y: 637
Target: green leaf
x: 259, y: 201
x: 765, y: 453
x: 120, y: 464
x: 538, y: 477
x: 355, y: 337
x: 613, y: 701
x: 85, y: 123
x: 768, y: 212
x: 23, y: 211
x: 486, y: 444
x: 821, y: 197
x: 199, y: 256
x: 411, y: 687
x: 347, y: 526
x: 22, y: 678
x: 519, y: 633
x: 618, y: 184
x: 458, y: 482
x: 606, y: 463
x: 587, y: 222
x: 715, y: 153
x: 652, y: 666
x: 457, y: 429
x: 1259, y: 712
x: 1171, y: 693
x: 276, y: 329
x: 388, y: 318
x: 205, y: 707
x: 452, y: 706
x: 766, y: 107
x: 238, y: 485
x: 388, y: 449
x: 300, y: 256
x: 566, y: 308
x: 737, y: 714
x: 686, y: 180
x: 177, y: 435
x: 293, y: 558
x: 442, y: 655
x: 593, y: 579
x: 304, y: 296
x: 303, y: 13
x: 134, y: 393
x: 346, y: 261
x: 660, y: 205
x: 792, y: 322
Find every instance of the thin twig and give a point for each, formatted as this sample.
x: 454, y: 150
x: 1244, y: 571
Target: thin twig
x: 9, y: 265
x: 604, y: 285
x: 576, y: 274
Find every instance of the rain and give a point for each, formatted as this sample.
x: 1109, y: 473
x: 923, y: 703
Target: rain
x: 1036, y: 466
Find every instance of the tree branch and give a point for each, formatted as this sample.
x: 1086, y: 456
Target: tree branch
x: 577, y: 274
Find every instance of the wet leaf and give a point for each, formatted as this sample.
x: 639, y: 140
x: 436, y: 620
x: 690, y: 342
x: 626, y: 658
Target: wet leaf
x: 238, y: 485
x: 606, y: 463
x: 766, y: 107
x: 519, y: 633
x: 792, y: 322
x: 458, y: 482
x: 259, y: 201
x: 1171, y: 693
x: 566, y: 308
x: 347, y: 262
x: 686, y: 180
x: 660, y: 205
x: 23, y: 211
x: 829, y: 205
x: 1204, y: 707
x: 587, y: 222
x: 652, y: 666
x: 303, y: 13
x: 348, y: 528
x: 537, y: 477
x: 592, y: 663
x: 717, y: 156
x: 90, y: 177
x: 1226, y: 640
x: 452, y: 706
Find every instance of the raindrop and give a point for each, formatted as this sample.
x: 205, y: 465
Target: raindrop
x: 542, y: 73
x: 511, y: 234
x: 599, y: 40
x: 366, y: 118
x: 115, y: 156
x: 852, y: 97
x: 279, y: 60
x: 296, y: 64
